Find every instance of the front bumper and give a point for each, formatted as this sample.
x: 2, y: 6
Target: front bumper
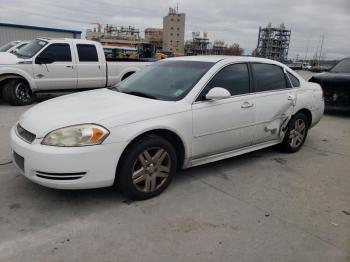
x: 66, y: 167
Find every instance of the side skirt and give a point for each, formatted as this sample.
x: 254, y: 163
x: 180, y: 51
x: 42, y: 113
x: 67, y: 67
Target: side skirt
x: 228, y: 154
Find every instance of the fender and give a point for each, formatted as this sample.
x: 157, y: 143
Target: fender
x: 11, y: 72
x: 141, y: 129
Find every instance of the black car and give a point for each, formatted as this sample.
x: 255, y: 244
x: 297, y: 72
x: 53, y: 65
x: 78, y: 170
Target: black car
x: 336, y: 85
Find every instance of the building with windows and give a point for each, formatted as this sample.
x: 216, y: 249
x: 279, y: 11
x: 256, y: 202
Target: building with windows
x: 174, y: 32
x: 13, y: 32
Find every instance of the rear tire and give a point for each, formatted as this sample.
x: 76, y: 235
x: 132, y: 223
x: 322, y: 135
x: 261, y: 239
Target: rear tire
x: 17, y: 92
x: 296, y: 133
x: 147, y: 168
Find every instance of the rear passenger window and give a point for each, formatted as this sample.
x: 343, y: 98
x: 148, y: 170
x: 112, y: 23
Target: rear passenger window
x: 57, y: 53
x: 234, y: 78
x: 295, y: 81
x: 268, y: 77
x: 87, y: 53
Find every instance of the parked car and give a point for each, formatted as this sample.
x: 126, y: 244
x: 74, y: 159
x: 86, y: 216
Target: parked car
x: 58, y: 64
x: 336, y: 85
x: 13, y: 46
x: 177, y: 113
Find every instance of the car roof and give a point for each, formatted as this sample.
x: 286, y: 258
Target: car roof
x: 71, y: 40
x: 217, y: 58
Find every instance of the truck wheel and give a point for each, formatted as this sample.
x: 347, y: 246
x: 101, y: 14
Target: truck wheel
x: 17, y: 92
x: 127, y: 75
x: 147, y: 168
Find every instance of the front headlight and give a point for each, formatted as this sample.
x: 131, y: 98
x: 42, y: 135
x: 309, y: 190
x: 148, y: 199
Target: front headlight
x: 79, y: 135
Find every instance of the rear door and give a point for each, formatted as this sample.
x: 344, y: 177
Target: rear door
x: 274, y: 101
x: 91, y: 67
x: 224, y: 124
x: 59, y: 72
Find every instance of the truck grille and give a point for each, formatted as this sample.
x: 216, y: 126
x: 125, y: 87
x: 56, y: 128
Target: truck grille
x: 24, y: 134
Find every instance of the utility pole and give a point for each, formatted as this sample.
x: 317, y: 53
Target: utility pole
x: 307, y: 50
x: 316, y: 54
x: 319, y: 58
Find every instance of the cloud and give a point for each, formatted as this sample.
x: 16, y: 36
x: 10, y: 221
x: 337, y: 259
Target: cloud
x: 232, y: 21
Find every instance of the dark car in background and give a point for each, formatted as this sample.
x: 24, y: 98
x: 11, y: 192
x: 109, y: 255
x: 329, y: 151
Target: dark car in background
x: 336, y: 85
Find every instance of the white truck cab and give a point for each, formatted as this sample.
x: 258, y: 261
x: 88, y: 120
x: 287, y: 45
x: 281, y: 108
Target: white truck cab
x: 58, y: 64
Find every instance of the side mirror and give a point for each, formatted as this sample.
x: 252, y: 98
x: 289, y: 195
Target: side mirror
x: 43, y: 60
x: 217, y: 93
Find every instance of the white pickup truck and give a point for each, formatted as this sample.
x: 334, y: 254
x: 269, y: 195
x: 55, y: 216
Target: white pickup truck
x: 46, y: 65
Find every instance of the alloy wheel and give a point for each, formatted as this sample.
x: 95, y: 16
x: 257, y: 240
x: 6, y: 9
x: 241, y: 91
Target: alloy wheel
x: 297, y: 133
x: 151, y: 169
x: 23, y: 92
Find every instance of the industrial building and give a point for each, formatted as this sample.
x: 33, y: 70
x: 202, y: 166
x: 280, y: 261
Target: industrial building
x: 200, y: 45
x: 174, y: 32
x: 154, y: 36
x: 12, y: 32
x: 113, y: 32
x: 273, y: 43
x: 111, y: 35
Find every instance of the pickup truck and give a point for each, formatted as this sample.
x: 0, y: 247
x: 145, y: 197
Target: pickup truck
x: 46, y: 65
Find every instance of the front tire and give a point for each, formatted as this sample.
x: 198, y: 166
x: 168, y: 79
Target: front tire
x: 147, y: 168
x: 17, y: 92
x: 296, y: 133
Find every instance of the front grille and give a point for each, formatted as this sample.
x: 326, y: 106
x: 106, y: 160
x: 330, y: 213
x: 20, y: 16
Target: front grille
x: 24, y: 134
x: 19, y: 160
x: 60, y: 176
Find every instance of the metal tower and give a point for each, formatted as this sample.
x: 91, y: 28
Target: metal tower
x: 273, y: 43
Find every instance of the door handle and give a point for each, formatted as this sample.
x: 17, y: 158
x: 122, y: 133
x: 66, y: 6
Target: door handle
x: 290, y: 98
x: 247, y: 105
x: 68, y: 66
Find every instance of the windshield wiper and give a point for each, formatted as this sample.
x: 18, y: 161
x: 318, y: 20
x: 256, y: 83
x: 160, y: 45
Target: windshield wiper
x: 137, y: 93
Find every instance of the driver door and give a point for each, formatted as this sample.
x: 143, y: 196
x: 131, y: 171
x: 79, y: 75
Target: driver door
x: 54, y: 68
x: 225, y: 124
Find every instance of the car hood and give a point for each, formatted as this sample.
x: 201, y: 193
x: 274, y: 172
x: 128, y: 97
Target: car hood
x: 105, y: 107
x: 9, y: 59
x: 330, y: 77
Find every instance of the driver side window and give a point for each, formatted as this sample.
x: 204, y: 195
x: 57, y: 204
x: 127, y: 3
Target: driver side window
x: 57, y: 53
x: 234, y: 78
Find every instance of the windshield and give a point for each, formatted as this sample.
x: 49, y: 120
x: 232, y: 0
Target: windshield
x: 342, y: 67
x: 165, y: 80
x: 7, y: 46
x: 31, y: 49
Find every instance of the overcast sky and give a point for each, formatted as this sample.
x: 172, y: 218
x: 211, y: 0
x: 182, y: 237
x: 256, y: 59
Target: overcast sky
x: 228, y: 20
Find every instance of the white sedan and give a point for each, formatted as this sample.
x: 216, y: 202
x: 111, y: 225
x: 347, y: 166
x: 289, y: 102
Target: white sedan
x: 176, y: 113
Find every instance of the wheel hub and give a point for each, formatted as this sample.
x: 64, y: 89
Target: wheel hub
x: 297, y: 134
x: 151, y: 169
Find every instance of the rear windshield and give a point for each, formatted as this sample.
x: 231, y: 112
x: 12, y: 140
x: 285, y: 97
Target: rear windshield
x: 342, y: 67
